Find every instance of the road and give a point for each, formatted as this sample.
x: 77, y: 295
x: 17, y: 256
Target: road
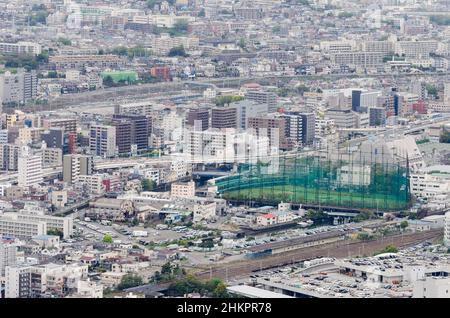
x: 341, y: 249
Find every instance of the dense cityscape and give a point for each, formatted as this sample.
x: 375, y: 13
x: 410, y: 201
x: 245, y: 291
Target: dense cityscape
x: 224, y: 149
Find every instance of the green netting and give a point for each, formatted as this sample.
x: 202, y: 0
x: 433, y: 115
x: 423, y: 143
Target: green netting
x: 322, y: 182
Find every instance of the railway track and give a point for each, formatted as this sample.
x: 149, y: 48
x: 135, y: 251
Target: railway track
x: 338, y: 250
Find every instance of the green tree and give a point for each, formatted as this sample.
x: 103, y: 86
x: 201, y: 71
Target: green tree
x: 301, y: 89
x: 108, y: 81
x: 388, y: 249
x: 43, y: 57
x: 345, y: 15
x: 107, y: 239
x: 129, y: 280
x: 52, y: 74
x: 303, y: 2
x: 166, y: 269
x: 220, y: 291
x: 432, y: 90
x: 224, y: 100
x: 148, y: 185
x: 181, y: 25
x: 56, y: 232
x: 151, y: 3
x: 212, y: 284
x: 64, y: 41
x: 364, y: 236
x: 242, y: 43
x: 445, y: 136
x: 404, y: 225
x: 318, y: 217
x: 177, y: 51
x: 440, y: 19
x: 207, y: 243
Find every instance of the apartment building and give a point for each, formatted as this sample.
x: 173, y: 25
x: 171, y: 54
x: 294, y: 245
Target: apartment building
x: 183, y: 190
x: 63, y: 224
x: 416, y: 49
x: 76, y: 165
x: 20, y: 48
x: 138, y: 108
x: 68, y: 124
x: 165, y: 43
x: 22, y: 229
x: 363, y: 59
x: 93, y: 183
x: 385, y: 47
x: 426, y: 186
x: 51, y: 157
x: 62, y: 62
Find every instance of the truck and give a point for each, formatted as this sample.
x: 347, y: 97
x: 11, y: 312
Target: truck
x: 140, y: 233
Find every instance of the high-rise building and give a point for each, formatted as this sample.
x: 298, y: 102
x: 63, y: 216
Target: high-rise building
x: 123, y: 135
x: 131, y: 130
x: 9, y: 157
x: 224, y: 117
x: 76, y: 165
x: 249, y: 108
x: 271, y: 127
x: 264, y: 97
x: 377, y: 116
x: 29, y: 168
x: 54, y: 137
x: 198, y: 114
x: 308, y: 128
x: 18, y: 87
x: 294, y: 131
x: 102, y: 140
x: 356, y: 100
x: 8, y: 256
x: 343, y: 118
x: 18, y: 281
x: 447, y: 93
x: 447, y: 229
x: 300, y: 128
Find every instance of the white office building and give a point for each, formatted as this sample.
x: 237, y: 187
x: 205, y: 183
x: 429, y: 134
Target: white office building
x: 29, y: 168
